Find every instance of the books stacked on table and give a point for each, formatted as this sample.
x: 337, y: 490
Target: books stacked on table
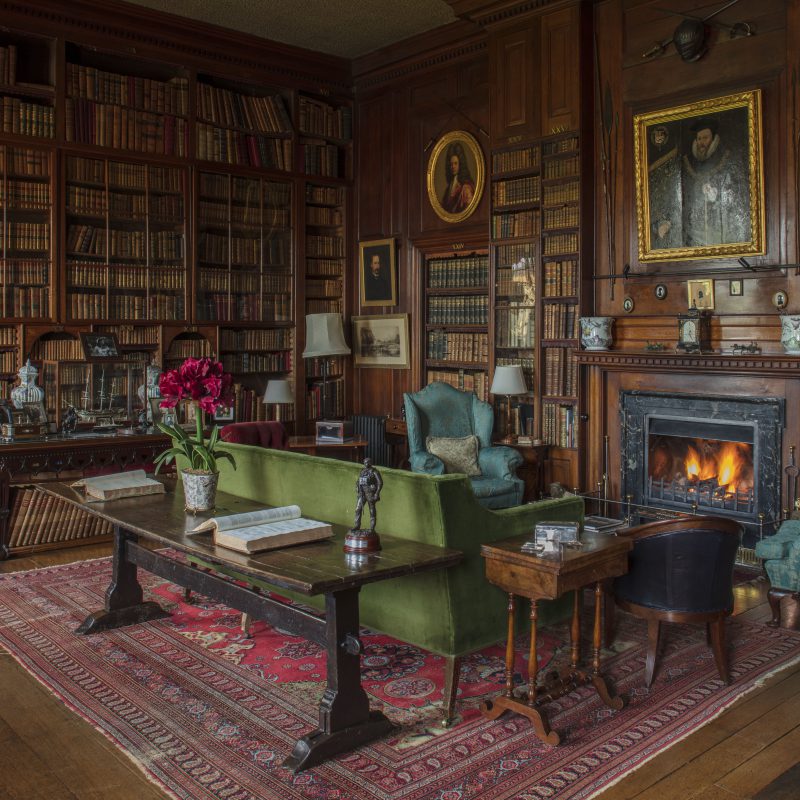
x: 598, y: 524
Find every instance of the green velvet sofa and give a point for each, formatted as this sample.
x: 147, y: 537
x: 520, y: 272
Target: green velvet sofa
x: 450, y: 612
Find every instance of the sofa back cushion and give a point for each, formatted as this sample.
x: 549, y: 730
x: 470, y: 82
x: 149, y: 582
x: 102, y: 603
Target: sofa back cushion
x: 259, y: 434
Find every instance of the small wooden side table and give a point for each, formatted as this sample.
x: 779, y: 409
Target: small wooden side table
x: 547, y: 577
x: 355, y: 447
x: 532, y: 468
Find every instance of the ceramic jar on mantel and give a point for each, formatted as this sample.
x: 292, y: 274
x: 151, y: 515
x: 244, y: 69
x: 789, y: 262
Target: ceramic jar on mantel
x: 790, y: 334
x: 596, y: 333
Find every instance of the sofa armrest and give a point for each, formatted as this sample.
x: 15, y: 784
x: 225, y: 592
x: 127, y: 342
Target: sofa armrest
x: 499, y: 462
x: 422, y: 461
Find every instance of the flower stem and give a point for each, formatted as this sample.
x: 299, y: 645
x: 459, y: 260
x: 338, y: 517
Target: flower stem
x: 198, y: 418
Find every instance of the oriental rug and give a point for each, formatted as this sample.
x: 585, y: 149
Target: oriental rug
x: 210, y: 715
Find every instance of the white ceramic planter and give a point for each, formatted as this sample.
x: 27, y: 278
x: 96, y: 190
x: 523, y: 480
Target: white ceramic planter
x: 199, y: 489
x: 596, y: 332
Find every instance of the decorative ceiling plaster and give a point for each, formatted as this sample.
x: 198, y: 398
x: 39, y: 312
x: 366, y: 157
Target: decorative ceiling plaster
x: 346, y: 28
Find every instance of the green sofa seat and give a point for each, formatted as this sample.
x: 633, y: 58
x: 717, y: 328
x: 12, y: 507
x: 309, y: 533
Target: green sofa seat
x: 450, y: 612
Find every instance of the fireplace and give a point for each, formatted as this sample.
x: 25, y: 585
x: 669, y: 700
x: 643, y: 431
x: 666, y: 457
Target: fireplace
x: 709, y: 455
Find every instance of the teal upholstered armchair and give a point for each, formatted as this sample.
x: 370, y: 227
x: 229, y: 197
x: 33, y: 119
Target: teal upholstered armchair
x: 781, y: 554
x: 441, y: 411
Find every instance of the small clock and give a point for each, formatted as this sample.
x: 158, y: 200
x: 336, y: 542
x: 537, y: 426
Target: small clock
x: 694, y: 334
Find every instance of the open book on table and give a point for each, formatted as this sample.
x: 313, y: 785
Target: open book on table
x: 265, y: 529
x: 120, y: 484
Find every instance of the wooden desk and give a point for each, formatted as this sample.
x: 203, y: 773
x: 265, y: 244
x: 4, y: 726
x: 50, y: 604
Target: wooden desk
x: 547, y: 577
x: 345, y: 719
x: 355, y: 448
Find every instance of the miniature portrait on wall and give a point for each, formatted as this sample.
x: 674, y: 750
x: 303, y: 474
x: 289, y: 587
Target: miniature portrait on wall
x: 699, y: 180
x: 378, y: 269
x: 455, y: 176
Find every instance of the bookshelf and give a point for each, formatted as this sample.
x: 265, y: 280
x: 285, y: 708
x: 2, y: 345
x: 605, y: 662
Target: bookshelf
x: 125, y: 240
x: 456, y: 327
x: 26, y: 227
x: 325, y: 129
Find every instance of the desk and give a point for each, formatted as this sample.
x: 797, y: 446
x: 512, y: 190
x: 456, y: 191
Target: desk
x: 547, y: 577
x: 355, y: 448
x: 345, y: 719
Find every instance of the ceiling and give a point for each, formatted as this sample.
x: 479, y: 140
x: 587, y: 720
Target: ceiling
x: 347, y: 28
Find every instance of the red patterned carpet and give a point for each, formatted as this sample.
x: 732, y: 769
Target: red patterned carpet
x: 208, y: 714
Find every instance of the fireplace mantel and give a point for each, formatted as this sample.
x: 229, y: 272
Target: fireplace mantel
x: 775, y: 365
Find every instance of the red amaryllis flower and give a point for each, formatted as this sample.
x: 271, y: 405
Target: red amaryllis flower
x: 171, y: 388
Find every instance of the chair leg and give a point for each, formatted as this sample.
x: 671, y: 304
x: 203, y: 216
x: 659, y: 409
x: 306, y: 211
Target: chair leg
x: 653, y: 631
x: 718, y: 645
x: 774, y: 596
x: 187, y: 594
x: 452, y: 673
x: 246, y: 622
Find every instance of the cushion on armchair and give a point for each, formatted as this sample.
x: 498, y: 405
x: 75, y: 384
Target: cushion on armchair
x: 457, y: 454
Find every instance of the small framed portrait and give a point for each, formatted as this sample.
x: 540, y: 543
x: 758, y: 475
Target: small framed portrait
x: 156, y: 412
x: 736, y: 287
x: 35, y: 413
x: 701, y: 294
x: 381, y: 341
x: 378, y: 269
x: 699, y: 180
x: 224, y: 415
x: 99, y: 346
x: 455, y: 176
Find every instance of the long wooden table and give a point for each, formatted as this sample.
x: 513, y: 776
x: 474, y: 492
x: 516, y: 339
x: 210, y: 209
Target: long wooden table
x: 345, y: 719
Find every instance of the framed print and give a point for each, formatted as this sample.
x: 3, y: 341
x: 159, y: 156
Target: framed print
x: 377, y: 265
x: 156, y: 412
x: 456, y: 176
x: 35, y: 412
x: 736, y: 287
x: 224, y: 415
x: 701, y: 294
x: 381, y: 341
x: 699, y: 180
x: 99, y: 346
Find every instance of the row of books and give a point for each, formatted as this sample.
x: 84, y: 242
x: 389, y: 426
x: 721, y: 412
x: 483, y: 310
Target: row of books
x: 244, y: 190
x: 560, y: 243
x: 560, y: 278
x: 323, y: 287
x: 508, y: 254
x: 515, y: 224
x: 559, y: 425
x: 25, y: 271
x: 272, y: 218
x: 93, y: 305
x: 133, y: 334
x: 325, y: 195
x: 563, y: 145
x: 321, y: 159
x: 560, y: 372
x: 57, y: 350
x: 247, y: 149
x: 107, y: 125
x: 521, y: 422
x: 8, y: 336
x: 244, y: 307
x: 564, y: 217
x: 25, y: 236
x: 216, y: 249
x: 326, y: 246
x: 255, y: 339
x: 27, y: 119
x: 333, y: 405
x: 234, y: 110
x: 257, y: 362
x: 321, y: 119
x: 512, y: 160
x: 181, y: 349
x: 27, y: 301
x: 324, y: 266
x: 463, y: 380
x: 562, y: 168
x: 39, y: 518
x: 516, y: 190
x: 93, y: 240
x: 561, y: 193
x: 459, y: 272
x: 248, y: 405
x: 515, y: 284
x: 462, y: 347
x: 323, y: 215
x: 160, y: 97
x: 318, y: 305
x: 27, y: 194
x: 220, y: 280
x: 314, y: 366
x: 8, y: 361
x: 528, y: 364
x: 514, y: 327
x: 116, y: 277
x: 20, y: 161
x: 467, y: 310
x: 560, y: 321
x: 167, y: 208
x: 8, y: 65
x: 125, y: 175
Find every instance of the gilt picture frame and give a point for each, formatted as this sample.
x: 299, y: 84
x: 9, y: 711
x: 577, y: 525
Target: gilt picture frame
x: 456, y: 176
x: 378, y: 269
x: 381, y: 341
x: 700, y: 180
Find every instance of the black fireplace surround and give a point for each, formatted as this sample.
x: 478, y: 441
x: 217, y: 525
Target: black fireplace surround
x: 753, y: 425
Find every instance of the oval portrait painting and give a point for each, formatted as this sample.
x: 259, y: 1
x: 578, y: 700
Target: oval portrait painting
x: 455, y: 176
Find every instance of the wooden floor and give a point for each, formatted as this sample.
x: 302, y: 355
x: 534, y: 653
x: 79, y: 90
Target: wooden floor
x: 49, y: 753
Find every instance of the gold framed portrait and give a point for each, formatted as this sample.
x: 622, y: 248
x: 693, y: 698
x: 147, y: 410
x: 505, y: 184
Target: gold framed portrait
x: 700, y: 180
x: 456, y: 176
x: 700, y: 294
x: 378, y: 267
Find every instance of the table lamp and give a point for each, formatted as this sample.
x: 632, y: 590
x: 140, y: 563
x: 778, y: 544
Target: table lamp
x: 508, y: 380
x: 278, y: 393
x: 324, y: 338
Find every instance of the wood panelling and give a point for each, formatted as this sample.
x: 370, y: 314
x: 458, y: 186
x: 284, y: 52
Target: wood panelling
x: 560, y: 65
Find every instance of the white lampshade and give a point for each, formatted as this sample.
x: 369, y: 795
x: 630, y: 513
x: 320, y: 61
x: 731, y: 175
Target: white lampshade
x: 508, y: 380
x: 324, y: 336
x: 278, y: 391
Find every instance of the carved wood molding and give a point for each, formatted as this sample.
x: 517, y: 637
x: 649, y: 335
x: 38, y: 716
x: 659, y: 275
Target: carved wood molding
x: 781, y: 366
x: 487, y: 13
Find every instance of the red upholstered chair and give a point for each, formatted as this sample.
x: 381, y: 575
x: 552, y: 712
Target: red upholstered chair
x: 259, y: 434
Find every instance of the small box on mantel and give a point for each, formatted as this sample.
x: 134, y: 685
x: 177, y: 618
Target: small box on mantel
x: 338, y: 431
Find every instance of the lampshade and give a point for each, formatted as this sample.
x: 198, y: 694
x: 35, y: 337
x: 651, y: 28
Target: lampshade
x: 278, y: 391
x: 508, y: 380
x: 324, y: 336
